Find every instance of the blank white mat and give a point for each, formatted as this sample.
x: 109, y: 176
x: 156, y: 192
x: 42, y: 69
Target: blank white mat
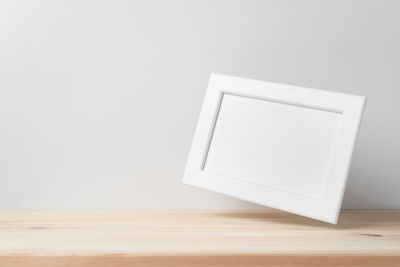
x: 277, y: 145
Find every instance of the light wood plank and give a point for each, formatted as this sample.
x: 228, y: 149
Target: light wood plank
x: 184, y: 238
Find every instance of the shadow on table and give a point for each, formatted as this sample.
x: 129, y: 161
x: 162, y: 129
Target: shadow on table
x: 347, y: 219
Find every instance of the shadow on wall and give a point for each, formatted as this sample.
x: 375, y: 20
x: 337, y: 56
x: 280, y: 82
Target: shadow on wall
x: 373, y: 176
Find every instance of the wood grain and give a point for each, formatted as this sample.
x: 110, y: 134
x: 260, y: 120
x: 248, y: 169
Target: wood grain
x: 196, y: 238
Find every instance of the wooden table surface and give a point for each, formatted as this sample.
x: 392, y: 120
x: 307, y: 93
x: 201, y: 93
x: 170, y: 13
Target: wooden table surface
x: 196, y: 238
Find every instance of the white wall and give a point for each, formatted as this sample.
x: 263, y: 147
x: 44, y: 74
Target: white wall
x: 99, y: 99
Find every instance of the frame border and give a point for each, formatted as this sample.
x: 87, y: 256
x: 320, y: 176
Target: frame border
x: 325, y: 209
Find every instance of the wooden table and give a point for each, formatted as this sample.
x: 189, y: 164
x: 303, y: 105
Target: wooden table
x: 196, y: 238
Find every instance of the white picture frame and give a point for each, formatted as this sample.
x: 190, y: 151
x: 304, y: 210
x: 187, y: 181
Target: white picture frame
x: 282, y: 146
